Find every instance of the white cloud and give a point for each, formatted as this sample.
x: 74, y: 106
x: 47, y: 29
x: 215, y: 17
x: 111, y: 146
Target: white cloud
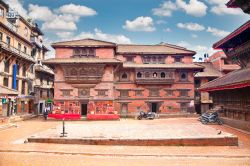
x: 59, y: 24
x: 98, y: 34
x: 77, y: 10
x: 222, y: 10
x: 17, y: 6
x: 194, y: 7
x: 140, y: 24
x: 191, y: 26
x: 165, y: 9
x: 219, y: 8
x: 167, y: 30
x: 194, y: 35
x: 41, y: 13
x: 64, y: 35
x: 217, y: 32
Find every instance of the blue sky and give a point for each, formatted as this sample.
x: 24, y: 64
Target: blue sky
x: 195, y: 24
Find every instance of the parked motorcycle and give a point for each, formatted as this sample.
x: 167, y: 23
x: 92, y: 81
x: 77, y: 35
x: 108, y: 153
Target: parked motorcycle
x: 212, y: 117
x: 146, y: 115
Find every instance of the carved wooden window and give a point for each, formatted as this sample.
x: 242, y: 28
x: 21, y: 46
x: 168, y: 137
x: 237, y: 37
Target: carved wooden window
x: 154, y: 74
x: 73, y: 72
x: 183, y: 76
x: 139, y: 75
x: 102, y: 92
x: 83, y: 92
x: 154, y: 92
x: 124, y: 76
x: 156, y: 59
x: 177, y: 59
x: 130, y: 59
x: 7, y: 66
x: 24, y: 71
x: 183, y: 92
x: 163, y: 75
x: 65, y: 92
x: 6, y: 81
x: 147, y: 75
x: 183, y: 106
x: 124, y: 93
x: 170, y: 92
x: 138, y: 92
x: 79, y: 52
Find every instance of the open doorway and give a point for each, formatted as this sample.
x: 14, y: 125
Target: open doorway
x: 154, y: 107
x: 84, y: 109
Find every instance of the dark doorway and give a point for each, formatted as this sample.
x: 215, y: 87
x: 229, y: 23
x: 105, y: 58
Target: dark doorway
x: 154, y: 107
x: 84, y: 108
x: 41, y: 108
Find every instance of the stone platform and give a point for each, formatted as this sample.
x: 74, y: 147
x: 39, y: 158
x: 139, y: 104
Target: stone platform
x: 139, y: 134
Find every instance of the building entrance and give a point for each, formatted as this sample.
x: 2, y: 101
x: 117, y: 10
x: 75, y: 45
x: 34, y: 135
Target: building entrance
x: 154, y: 107
x: 84, y: 109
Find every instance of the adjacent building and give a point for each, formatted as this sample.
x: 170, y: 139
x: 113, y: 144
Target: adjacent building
x: 215, y: 66
x: 21, y: 48
x: 232, y: 91
x: 99, y: 79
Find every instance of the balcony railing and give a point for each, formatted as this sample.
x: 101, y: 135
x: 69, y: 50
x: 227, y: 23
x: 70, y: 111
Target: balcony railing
x: 16, y: 51
x: 36, y: 41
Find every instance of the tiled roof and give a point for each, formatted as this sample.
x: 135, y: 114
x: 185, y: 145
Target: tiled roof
x: 167, y: 66
x: 208, y: 71
x: 84, y: 43
x: 7, y: 91
x: 230, y: 67
x: 237, y: 77
x: 80, y: 60
x: 152, y: 49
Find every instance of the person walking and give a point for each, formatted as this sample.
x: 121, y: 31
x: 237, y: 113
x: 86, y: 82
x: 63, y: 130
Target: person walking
x: 45, y: 113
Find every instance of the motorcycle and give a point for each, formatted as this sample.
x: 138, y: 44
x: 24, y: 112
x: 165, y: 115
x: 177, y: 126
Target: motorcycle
x: 146, y: 115
x: 210, y: 118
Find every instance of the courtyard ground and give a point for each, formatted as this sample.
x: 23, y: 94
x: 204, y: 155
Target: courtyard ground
x: 13, y: 150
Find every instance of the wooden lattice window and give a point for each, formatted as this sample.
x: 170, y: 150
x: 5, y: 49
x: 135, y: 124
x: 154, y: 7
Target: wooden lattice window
x: 183, y: 92
x: 101, y: 92
x: 138, y: 92
x: 83, y: 92
x: 66, y: 92
x: 124, y: 93
x: 154, y: 92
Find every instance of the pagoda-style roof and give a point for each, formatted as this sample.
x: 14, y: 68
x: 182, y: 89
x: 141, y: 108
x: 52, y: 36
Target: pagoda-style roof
x: 161, y: 66
x: 208, y: 71
x: 83, y: 43
x: 152, y: 49
x: 236, y: 38
x: 7, y: 91
x: 233, y: 80
x: 80, y: 60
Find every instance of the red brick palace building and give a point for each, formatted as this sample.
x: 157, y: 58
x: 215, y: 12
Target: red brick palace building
x: 98, y: 78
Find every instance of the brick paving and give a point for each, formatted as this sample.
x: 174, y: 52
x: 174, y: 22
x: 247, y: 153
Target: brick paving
x: 13, y: 150
x: 141, y: 133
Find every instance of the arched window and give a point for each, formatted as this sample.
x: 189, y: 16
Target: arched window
x: 147, y: 74
x: 124, y: 76
x: 183, y: 76
x: 154, y: 74
x: 73, y: 72
x: 139, y: 75
x: 163, y: 75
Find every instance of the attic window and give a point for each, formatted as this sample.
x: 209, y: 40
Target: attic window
x: 83, y: 52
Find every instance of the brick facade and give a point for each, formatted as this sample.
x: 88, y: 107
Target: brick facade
x: 119, y: 89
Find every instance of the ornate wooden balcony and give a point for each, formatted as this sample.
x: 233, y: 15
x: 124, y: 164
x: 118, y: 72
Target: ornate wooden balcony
x: 83, y: 74
x: 154, y: 76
